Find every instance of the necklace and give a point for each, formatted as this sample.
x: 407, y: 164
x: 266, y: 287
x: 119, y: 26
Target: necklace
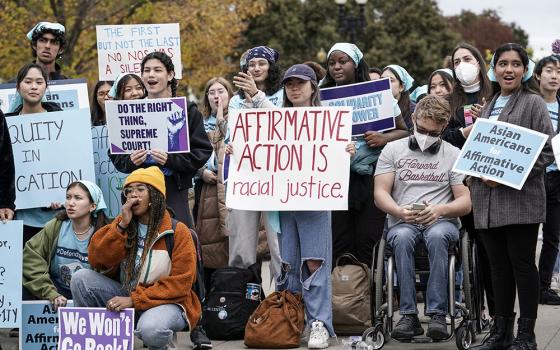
x: 82, y: 233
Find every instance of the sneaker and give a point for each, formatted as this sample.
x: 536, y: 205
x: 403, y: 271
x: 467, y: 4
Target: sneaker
x: 407, y: 327
x: 549, y: 297
x: 199, y: 339
x: 437, y: 329
x: 318, y: 337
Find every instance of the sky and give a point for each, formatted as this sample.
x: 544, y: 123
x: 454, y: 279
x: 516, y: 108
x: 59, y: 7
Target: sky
x: 540, y: 20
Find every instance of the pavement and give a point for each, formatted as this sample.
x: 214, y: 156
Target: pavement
x: 547, y: 331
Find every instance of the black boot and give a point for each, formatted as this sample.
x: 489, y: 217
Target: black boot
x: 525, y: 339
x: 501, y: 334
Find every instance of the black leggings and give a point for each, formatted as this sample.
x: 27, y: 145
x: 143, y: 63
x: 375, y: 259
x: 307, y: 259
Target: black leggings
x: 511, y: 251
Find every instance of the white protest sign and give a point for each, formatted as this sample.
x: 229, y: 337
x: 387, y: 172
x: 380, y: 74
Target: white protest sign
x: 51, y: 150
x: 148, y: 124
x: 289, y: 158
x: 11, y: 242
x: 121, y: 48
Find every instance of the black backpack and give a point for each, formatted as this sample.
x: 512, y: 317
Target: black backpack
x: 227, y: 307
x: 198, y: 285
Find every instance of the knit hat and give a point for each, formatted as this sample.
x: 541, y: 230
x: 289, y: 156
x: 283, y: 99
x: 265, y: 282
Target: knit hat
x: 150, y: 176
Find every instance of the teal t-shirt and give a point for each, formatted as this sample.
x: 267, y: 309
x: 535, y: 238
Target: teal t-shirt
x: 553, y: 111
x: 142, y: 233
x: 71, y: 255
x: 498, y: 106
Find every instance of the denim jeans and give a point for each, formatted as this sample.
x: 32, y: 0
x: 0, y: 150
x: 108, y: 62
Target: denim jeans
x: 403, y: 238
x: 155, y: 326
x: 306, y: 235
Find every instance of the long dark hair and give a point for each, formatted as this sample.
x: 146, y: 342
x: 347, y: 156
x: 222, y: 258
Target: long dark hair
x: 98, y: 220
x: 273, y: 81
x: 166, y: 60
x: 97, y: 114
x: 404, y: 100
x: 530, y: 85
x: 459, y: 96
x: 157, y: 211
x: 25, y: 69
x: 361, y: 74
x: 447, y: 80
x: 122, y: 83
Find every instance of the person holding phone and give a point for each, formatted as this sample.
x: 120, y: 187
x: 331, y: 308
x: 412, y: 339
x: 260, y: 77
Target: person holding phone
x: 423, y: 199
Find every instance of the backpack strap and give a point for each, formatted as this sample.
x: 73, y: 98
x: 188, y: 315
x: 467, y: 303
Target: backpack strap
x: 170, y: 239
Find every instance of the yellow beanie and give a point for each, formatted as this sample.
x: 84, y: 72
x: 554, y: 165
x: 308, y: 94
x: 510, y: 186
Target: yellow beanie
x: 151, y: 176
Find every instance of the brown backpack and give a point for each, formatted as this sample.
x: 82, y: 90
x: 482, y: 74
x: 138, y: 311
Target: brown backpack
x: 277, y: 323
x: 351, y: 296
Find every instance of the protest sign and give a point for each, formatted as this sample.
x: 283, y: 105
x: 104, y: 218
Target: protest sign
x: 51, y: 150
x: 11, y: 241
x: 501, y: 152
x: 107, y: 177
x: 70, y: 94
x: 372, y: 103
x: 39, y: 325
x: 95, y: 328
x: 121, y: 48
x: 148, y: 124
x: 556, y: 148
x: 289, y: 159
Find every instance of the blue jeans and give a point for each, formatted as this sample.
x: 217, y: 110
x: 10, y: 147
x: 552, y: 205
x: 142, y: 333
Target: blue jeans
x: 306, y: 235
x: 403, y: 239
x: 155, y: 326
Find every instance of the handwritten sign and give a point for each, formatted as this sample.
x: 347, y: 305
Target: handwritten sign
x: 501, y: 152
x: 70, y: 94
x: 372, y: 103
x: 121, y: 48
x: 289, y: 159
x: 95, y: 328
x: 107, y: 177
x: 11, y: 242
x: 51, y: 150
x: 39, y: 325
x: 148, y: 124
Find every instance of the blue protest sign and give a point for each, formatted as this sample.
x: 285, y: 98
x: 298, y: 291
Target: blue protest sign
x: 39, y: 325
x: 107, y: 177
x: 372, y: 103
x: 499, y: 151
x: 70, y: 94
x: 148, y: 124
x: 51, y: 150
x: 11, y: 241
x: 95, y: 328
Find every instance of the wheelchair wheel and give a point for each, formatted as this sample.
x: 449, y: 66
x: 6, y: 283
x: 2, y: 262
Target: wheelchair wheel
x: 378, y: 277
x: 467, y: 269
x: 464, y: 337
x: 374, y: 336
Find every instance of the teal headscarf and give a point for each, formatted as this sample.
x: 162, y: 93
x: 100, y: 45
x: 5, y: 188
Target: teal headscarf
x: 350, y: 49
x: 406, y: 79
x: 97, y: 197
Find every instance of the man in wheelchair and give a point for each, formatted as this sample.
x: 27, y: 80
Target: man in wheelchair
x: 423, y: 198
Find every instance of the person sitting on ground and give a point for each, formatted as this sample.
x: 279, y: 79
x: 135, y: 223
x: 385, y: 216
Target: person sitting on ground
x: 415, y: 186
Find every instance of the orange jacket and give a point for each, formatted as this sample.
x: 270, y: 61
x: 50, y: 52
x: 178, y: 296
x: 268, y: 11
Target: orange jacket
x: 162, y: 280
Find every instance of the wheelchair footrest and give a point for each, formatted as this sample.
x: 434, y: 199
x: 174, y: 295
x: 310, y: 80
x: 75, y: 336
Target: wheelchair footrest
x: 421, y: 339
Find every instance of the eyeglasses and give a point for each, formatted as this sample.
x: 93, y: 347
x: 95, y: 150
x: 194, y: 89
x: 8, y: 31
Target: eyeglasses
x: 141, y: 189
x: 423, y: 131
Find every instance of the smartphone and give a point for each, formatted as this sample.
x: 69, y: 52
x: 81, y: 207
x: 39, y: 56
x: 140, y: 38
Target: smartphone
x: 467, y: 112
x: 418, y: 206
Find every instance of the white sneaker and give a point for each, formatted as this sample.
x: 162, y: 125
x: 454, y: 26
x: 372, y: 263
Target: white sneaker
x: 319, y: 336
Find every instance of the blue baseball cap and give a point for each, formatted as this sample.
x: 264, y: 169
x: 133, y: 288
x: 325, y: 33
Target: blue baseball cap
x: 300, y: 71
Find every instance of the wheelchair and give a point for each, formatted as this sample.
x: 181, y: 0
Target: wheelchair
x: 461, y: 255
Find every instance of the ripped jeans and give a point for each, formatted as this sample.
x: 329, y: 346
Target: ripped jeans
x: 306, y: 235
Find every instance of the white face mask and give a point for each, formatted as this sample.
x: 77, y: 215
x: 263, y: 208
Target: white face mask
x: 466, y: 73
x: 424, y: 141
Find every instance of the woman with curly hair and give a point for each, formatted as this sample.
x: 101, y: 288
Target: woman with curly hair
x: 139, y: 270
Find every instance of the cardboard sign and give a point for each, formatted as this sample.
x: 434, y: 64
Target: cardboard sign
x: 11, y: 242
x: 501, y: 152
x: 107, y: 177
x: 372, y: 103
x: 121, y: 48
x: 70, y: 94
x: 148, y: 124
x: 39, y: 325
x: 95, y: 328
x: 289, y: 159
x: 51, y: 150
